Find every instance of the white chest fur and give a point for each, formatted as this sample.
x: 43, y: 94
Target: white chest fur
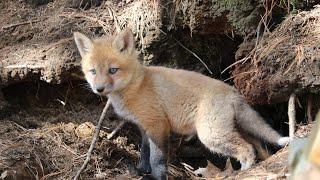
x: 121, y: 109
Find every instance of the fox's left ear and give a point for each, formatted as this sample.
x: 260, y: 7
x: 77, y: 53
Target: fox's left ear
x: 124, y: 41
x: 84, y: 43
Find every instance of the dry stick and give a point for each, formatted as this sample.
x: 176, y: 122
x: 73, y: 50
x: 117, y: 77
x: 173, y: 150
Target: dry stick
x: 194, y: 54
x: 292, y: 114
x: 94, y: 139
x: 20, y: 23
x: 116, y: 130
x: 235, y: 63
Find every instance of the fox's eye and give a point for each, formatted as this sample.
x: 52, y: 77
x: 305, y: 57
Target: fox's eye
x: 93, y: 71
x: 113, y: 70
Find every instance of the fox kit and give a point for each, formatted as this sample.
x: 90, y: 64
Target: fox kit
x: 162, y: 100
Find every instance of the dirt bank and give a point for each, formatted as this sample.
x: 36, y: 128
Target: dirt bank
x: 284, y: 61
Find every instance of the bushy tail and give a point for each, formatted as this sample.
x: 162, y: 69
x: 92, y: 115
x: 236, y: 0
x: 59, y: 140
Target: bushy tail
x: 250, y: 121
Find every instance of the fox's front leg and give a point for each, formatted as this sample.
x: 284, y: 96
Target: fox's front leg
x: 158, y: 142
x: 144, y: 164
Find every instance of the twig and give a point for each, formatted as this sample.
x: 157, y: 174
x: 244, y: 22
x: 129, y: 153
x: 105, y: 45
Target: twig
x: 61, y: 41
x: 238, y: 75
x: 235, y: 63
x: 194, y: 54
x: 19, y: 24
x: 52, y: 174
x: 94, y: 139
x: 292, y: 115
x: 116, y: 130
x: 20, y: 66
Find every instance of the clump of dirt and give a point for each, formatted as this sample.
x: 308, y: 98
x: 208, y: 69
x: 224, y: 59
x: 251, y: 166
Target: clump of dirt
x: 282, y: 62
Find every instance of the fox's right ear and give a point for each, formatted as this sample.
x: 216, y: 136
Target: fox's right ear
x: 84, y: 43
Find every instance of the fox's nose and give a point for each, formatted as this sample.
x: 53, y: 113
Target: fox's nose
x: 100, y: 89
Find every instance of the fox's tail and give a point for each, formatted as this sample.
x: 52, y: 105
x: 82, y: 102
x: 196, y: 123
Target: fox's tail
x: 250, y: 121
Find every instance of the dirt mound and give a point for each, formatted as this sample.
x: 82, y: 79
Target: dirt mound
x: 282, y: 62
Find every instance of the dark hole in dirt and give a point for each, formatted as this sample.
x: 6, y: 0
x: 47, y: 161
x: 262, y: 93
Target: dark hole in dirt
x: 179, y: 50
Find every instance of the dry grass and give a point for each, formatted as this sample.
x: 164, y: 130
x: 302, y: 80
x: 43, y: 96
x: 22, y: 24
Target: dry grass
x: 142, y: 16
x: 292, y: 35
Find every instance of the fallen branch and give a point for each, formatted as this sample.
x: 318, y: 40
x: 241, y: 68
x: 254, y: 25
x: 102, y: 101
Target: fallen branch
x: 94, y: 139
x: 292, y: 114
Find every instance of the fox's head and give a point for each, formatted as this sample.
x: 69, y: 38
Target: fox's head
x: 109, y: 63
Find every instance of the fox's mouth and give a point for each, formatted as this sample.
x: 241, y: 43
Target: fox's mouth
x: 105, y: 92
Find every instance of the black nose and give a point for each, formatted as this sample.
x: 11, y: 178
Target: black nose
x: 100, y: 89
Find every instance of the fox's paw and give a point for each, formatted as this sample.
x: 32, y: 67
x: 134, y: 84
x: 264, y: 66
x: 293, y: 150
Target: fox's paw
x: 143, y: 168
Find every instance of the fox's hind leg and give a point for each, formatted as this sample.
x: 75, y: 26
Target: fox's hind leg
x: 232, y: 145
x: 216, y: 130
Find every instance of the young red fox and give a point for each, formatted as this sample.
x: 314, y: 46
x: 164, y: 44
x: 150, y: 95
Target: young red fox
x: 162, y: 100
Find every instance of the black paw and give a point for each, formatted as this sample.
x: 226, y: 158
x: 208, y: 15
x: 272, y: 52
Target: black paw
x: 143, y: 168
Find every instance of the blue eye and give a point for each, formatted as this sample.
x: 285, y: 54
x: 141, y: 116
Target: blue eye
x: 93, y: 71
x: 113, y: 70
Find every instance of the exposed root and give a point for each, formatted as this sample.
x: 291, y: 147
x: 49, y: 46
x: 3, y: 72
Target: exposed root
x: 292, y: 115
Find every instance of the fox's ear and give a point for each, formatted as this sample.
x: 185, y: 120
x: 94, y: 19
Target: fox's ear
x: 124, y: 41
x: 84, y: 43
